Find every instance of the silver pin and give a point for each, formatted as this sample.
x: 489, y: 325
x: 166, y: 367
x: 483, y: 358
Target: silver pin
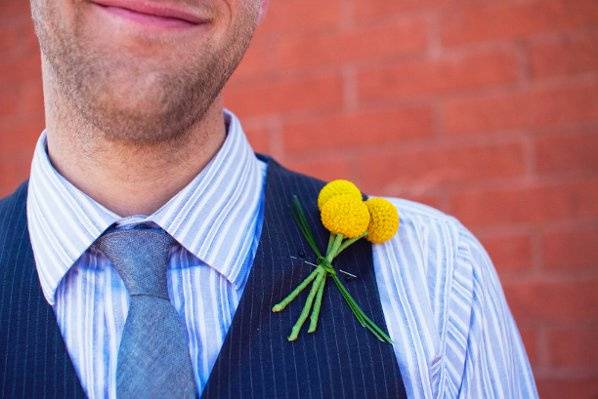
x: 314, y: 265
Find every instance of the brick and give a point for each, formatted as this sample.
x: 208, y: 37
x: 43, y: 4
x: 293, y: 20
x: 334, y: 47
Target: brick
x: 12, y: 174
x: 529, y: 204
x: 362, y: 128
x: 518, y: 109
x: 438, y: 76
x: 18, y: 135
x: 567, y: 152
x: 22, y: 69
x: 259, y: 139
x: 572, y: 248
x: 333, y: 166
x: 376, y: 9
x: 513, y: 20
x: 302, y: 16
x: 21, y: 98
x: 13, y: 11
x: 530, y: 341
x: 17, y: 140
x: 17, y: 40
x: 578, y: 387
x: 284, y: 95
x: 258, y: 60
x: 333, y: 47
x: 422, y: 170
x: 8, y: 105
x: 558, y: 303
x: 564, y: 55
x: 369, y: 44
x: 572, y: 348
x: 511, y: 253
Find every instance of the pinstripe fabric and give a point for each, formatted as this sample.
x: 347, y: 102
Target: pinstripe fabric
x: 342, y: 360
x: 442, y: 303
x: 34, y: 362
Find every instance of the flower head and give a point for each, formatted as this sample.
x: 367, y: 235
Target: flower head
x: 337, y: 187
x: 384, y: 220
x: 345, y: 214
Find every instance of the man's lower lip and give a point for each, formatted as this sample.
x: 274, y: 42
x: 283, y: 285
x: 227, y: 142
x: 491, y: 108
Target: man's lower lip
x: 148, y: 20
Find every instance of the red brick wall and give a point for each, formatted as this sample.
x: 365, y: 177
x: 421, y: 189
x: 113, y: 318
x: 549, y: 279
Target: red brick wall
x: 488, y: 110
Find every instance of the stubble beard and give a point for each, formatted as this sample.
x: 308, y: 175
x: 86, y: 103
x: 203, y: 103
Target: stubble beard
x: 126, y: 103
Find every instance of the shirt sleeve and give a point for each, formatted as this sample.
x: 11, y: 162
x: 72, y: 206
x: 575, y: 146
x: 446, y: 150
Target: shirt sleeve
x: 496, y: 364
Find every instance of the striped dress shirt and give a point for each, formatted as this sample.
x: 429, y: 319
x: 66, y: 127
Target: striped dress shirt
x: 453, y: 333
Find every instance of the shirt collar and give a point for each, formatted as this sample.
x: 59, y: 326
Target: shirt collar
x: 211, y: 216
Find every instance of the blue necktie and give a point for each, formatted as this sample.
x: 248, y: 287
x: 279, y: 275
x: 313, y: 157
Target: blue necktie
x: 153, y: 357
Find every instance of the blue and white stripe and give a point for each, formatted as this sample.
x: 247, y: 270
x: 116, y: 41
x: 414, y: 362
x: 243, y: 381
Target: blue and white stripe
x: 453, y: 333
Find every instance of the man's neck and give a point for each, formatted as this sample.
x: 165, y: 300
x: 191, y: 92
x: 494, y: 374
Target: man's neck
x: 125, y: 178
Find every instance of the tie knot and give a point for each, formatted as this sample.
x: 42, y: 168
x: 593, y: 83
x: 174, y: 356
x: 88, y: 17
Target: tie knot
x: 140, y: 256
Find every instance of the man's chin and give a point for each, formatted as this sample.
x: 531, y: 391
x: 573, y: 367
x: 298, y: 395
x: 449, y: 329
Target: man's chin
x: 127, y: 124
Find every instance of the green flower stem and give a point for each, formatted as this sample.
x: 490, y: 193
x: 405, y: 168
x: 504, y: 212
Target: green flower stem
x: 315, y: 313
x: 330, y: 242
x: 350, y: 301
x: 289, y: 298
x: 305, y: 312
x: 338, y: 240
x: 348, y: 242
x: 359, y: 315
x: 370, y: 325
x: 301, y: 220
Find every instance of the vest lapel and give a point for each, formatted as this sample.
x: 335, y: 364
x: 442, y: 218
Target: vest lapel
x: 35, y: 362
x: 341, y: 359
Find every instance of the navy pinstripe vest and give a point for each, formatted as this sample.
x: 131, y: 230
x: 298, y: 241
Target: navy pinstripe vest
x: 340, y: 360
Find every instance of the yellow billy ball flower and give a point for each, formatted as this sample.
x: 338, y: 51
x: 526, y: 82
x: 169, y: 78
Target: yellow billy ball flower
x: 345, y: 214
x: 384, y: 220
x: 337, y: 187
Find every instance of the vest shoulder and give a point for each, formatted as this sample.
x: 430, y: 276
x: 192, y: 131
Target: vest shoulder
x: 20, y: 194
x: 12, y: 206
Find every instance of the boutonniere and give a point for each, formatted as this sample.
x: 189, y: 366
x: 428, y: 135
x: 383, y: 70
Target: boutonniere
x: 349, y: 219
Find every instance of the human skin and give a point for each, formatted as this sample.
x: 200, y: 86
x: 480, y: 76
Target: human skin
x: 132, y: 94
